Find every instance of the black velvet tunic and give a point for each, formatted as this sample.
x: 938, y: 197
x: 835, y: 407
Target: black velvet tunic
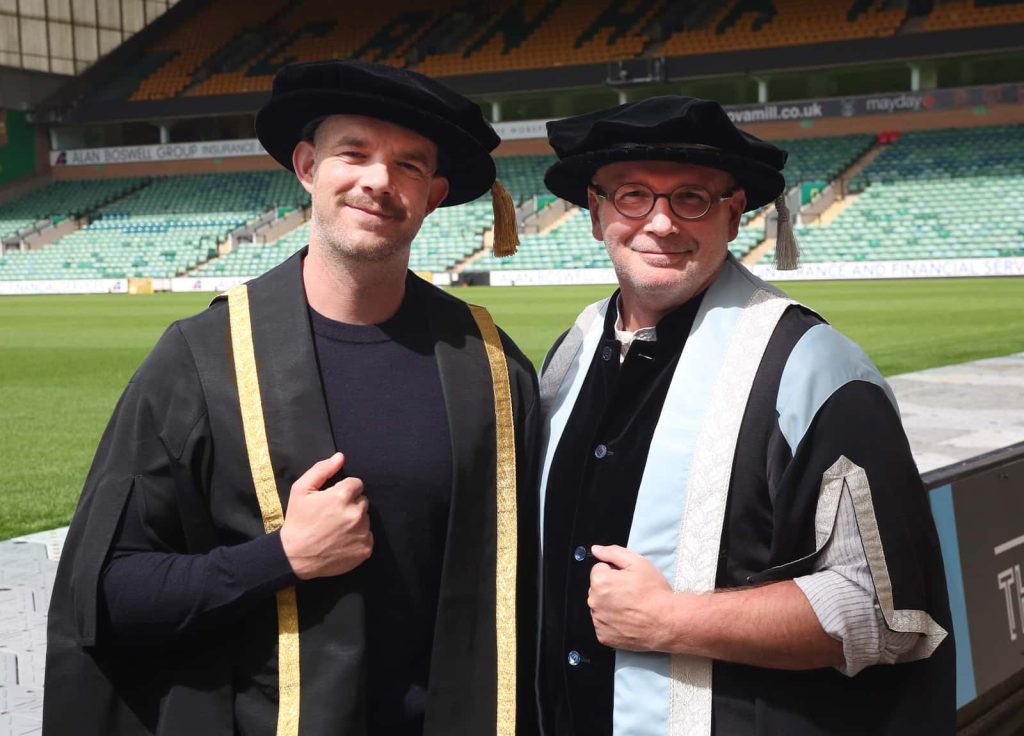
x: 597, y: 471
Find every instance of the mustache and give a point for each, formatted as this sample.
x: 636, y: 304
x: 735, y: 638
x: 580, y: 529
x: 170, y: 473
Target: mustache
x: 385, y: 207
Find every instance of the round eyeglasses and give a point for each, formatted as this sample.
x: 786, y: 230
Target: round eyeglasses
x: 637, y: 200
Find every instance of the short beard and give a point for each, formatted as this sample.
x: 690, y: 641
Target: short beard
x: 338, y: 248
x: 682, y: 286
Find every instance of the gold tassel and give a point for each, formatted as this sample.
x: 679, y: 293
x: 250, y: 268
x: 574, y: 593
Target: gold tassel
x: 506, y: 232
x: 787, y: 251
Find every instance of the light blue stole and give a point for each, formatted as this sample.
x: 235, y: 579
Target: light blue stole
x: 680, y: 506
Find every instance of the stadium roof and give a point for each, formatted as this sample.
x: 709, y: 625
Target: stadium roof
x: 65, y: 37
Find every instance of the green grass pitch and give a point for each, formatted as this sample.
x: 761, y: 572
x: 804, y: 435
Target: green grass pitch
x: 65, y: 359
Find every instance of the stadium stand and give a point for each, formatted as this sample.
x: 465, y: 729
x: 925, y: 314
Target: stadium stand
x: 917, y: 202
x: 451, y: 234
x: 919, y: 193
x: 820, y: 160
x: 748, y: 24
x: 112, y: 248
x: 160, y: 231
x: 750, y: 235
x: 184, y: 215
x: 235, y: 46
x: 523, y: 176
x: 209, y: 54
x: 173, y: 225
x: 514, y: 36
x: 954, y: 193
x: 312, y: 30
x: 252, y: 259
x: 548, y: 34
x: 974, y: 13
x: 924, y: 219
x: 62, y: 199
x: 949, y: 153
x: 454, y: 234
x: 246, y: 193
x: 570, y: 245
x: 185, y: 55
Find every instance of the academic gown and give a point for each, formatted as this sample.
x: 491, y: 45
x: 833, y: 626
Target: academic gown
x: 770, y: 416
x: 176, y: 438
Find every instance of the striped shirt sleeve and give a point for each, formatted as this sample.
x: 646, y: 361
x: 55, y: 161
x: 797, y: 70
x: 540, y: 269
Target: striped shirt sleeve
x: 842, y: 595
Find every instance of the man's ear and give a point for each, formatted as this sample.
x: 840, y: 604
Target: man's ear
x: 304, y: 163
x: 737, y: 206
x: 436, y: 194
x: 595, y: 221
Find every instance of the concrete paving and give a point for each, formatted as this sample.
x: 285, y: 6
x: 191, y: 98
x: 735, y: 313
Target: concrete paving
x: 957, y: 412
x: 951, y: 414
x: 27, y: 568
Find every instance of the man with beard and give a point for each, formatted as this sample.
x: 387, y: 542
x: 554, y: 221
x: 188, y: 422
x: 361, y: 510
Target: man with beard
x: 313, y: 511
x: 735, y: 536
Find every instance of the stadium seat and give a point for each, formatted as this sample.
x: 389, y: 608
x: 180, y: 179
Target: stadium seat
x: 953, y: 193
x: 547, y: 34
x: 973, y: 13
x: 160, y: 231
x: 193, y: 44
x: 750, y: 24
x: 62, y: 199
x: 252, y: 259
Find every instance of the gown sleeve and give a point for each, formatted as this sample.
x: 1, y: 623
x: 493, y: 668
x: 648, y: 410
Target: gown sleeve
x: 868, y: 582
x: 148, y: 568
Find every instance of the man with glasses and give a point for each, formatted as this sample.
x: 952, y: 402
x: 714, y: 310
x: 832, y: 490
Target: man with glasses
x: 735, y: 536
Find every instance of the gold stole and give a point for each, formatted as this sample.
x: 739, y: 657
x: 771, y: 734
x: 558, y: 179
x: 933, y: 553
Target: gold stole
x: 265, y: 484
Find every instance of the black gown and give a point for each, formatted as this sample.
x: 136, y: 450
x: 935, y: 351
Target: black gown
x: 176, y: 436
x: 768, y: 533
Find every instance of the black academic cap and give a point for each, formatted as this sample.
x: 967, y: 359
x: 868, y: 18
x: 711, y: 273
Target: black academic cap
x: 667, y: 128
x: 304, y: 92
